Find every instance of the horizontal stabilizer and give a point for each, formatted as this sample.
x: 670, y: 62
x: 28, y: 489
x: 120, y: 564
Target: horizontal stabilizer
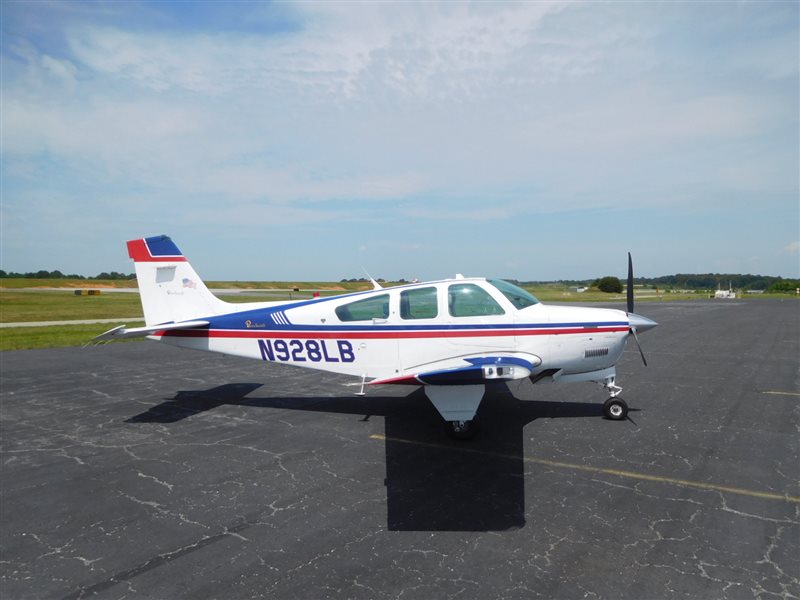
x: 121, y: 332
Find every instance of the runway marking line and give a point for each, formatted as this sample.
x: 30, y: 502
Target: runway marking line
x: 776, y: 393
x: 616, y: 472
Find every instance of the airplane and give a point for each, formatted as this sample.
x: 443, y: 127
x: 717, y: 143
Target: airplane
x: 451, y: 336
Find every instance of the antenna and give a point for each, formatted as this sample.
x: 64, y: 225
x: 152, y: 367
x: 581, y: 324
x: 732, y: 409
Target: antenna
x: 375, y: 284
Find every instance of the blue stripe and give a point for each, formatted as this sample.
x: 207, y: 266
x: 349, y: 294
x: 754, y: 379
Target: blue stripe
x: 500, y: 361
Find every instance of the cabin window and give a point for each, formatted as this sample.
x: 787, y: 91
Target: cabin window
x: 419, y: 304
x: 470, y: 300
x: 516, y: 295
x: 376, y: 307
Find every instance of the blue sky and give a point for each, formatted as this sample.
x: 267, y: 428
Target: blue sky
x: 310, y: 140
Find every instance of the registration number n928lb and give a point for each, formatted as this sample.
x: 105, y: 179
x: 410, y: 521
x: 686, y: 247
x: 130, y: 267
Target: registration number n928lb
x: 307, y: 351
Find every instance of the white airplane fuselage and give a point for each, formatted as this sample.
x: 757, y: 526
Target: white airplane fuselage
x: 309, y: 334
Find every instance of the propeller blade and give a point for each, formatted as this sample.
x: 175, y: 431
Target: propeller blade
x: 633, y: 319
x: 630, y: 284
x: 638, y: 345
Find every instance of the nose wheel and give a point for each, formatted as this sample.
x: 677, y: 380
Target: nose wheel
x: 615, y: 408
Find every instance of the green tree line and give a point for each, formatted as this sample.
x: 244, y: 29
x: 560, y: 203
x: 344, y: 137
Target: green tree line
x: 702, y: 281
x: 59, y: 275
x: 708, y: 281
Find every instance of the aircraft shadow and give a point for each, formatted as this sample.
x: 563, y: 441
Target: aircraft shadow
x: 432, y: 483
x: 188, y: 403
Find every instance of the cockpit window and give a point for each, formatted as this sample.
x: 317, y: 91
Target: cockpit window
x: 516, y: 295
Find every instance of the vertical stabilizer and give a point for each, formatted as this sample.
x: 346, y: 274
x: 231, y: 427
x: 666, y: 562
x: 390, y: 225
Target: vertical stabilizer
x: 170, y: 289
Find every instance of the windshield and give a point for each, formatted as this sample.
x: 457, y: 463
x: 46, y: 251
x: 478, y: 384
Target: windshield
x: 516, y: 295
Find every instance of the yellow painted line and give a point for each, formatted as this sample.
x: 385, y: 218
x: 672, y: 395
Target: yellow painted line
x: 782, y: 393
x: 616, y: 472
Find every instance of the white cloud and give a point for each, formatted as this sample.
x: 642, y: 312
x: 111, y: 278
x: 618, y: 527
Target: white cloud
x: 291, y: 184
x: 792, y: 248
x: 62, y: 69
x: 442, y: 51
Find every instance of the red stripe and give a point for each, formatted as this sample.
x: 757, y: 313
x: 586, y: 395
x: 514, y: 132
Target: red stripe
x: 139, y: 252
x: 387, y: 335
x: 404, y: 380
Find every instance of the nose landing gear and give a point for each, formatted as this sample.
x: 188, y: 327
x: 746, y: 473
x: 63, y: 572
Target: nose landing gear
x: 615, y: 408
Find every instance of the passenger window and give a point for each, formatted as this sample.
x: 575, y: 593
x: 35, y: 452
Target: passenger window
x: 419, y: 304
x: 469, y: 300
x: 376, y: 307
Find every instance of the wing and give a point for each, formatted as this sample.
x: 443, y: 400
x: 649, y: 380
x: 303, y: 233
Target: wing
x: 471, y: 371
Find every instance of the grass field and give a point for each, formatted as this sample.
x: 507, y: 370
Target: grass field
x: 87, y: 284
x: 62, y: 306
x: 26, y: 338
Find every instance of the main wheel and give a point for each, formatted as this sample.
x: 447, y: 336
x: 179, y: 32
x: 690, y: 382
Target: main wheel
x: 463, y: 430
x: 615, y: 409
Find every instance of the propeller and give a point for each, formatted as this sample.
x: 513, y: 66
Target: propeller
x: 636, y: 321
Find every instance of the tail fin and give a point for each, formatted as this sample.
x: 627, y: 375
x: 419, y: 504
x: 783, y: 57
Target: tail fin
x: 170, y: 289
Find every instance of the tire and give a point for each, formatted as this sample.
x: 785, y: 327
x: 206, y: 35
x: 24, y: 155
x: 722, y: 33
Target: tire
x: 615, y: 409
x: 463, y: 430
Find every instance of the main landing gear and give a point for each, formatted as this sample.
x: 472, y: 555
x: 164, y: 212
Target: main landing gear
x: 463, y: 430
x: 615, y: 408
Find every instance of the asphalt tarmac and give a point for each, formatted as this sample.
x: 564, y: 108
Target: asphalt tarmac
x: 138, y: 470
